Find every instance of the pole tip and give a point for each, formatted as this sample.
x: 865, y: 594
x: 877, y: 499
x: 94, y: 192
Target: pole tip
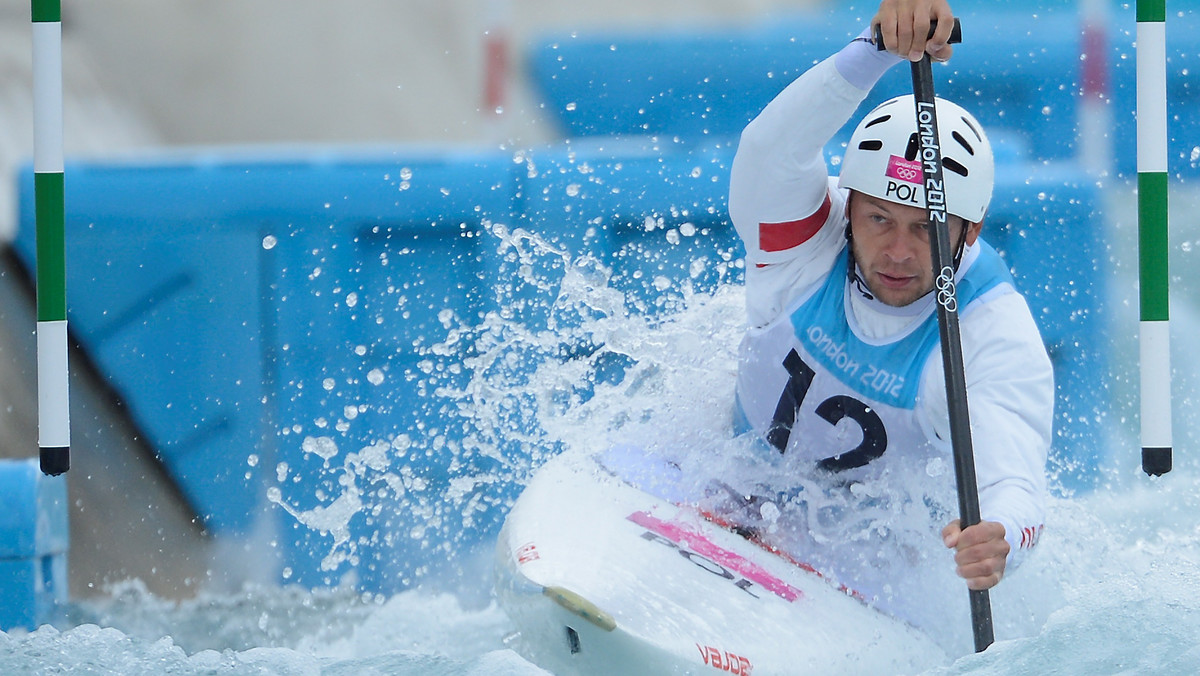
x: 1156, y: 461
x: 55, y: 460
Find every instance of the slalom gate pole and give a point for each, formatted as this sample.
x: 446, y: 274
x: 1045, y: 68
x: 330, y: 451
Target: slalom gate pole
x: 54, y: 433
x: 1152, y: 236
x: 947, y: 313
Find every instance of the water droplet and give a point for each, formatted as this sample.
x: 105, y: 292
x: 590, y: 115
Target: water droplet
x: 324, y: 447
x: 269, y: 242
x: 375, y: 376
x: 770, y: 512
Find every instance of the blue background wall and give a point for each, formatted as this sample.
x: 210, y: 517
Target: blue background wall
x: 240, y: 300
x: 230, y: 299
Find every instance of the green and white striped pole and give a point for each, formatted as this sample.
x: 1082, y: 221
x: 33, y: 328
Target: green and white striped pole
x: 1152, y: 235
x: 54, y: 429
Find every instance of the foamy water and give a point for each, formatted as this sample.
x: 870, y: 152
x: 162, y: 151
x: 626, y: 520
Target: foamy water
x: 1128, y: 563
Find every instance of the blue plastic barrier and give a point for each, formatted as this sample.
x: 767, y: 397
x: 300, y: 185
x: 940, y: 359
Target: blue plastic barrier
x: 1045, y: 219
x: 33, y: 544
x: 301, y: 327
x: 598, y: 196
x: 1019, y: 69
x: 357, y: 351
x: 165, y: 300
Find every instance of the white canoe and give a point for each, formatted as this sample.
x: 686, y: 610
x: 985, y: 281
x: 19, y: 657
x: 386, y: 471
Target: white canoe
x: 602, y: 578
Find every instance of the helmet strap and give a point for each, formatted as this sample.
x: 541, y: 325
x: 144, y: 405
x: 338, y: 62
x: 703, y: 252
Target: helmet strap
x: 852, y: 265
x: 962, y: 245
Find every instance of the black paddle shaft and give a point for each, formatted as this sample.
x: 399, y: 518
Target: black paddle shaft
x: 947, y: 312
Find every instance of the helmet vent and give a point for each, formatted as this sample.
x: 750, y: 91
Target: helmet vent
x: 952, y: 165
x: 914, y: 147
x: 879, y: 120
x: 963, y: 142
x: 874, y: 144
x: 973, y: 129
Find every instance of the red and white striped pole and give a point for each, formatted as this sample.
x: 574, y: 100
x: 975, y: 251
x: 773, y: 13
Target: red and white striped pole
x: 1095, y: 121
x: 496, y: 67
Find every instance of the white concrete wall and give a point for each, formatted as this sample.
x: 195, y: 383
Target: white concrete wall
x: 237, y: 71
x: 198, y: 72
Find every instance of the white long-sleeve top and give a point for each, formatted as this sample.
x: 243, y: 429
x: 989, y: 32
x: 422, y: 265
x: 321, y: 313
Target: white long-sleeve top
x: 791, y: 217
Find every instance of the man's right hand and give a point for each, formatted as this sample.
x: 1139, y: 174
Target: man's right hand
x: 905, y: 28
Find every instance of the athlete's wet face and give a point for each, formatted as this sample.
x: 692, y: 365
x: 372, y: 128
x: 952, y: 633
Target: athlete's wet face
x: 891, y: 247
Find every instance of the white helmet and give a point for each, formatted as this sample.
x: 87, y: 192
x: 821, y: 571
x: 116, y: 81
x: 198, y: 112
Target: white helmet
x: 882, y: 161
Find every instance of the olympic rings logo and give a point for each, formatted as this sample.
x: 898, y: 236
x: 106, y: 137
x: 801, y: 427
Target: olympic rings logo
x: 944, y: 284
x: 907, y: 174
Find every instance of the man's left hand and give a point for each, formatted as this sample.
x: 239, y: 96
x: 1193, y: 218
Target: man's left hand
x: 981, y: 552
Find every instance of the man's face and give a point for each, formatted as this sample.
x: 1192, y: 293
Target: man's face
x: 891, y: 247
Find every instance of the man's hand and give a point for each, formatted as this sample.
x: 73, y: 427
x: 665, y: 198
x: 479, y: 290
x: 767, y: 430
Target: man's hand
x: 981, y: 552
x: 905, y: 28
